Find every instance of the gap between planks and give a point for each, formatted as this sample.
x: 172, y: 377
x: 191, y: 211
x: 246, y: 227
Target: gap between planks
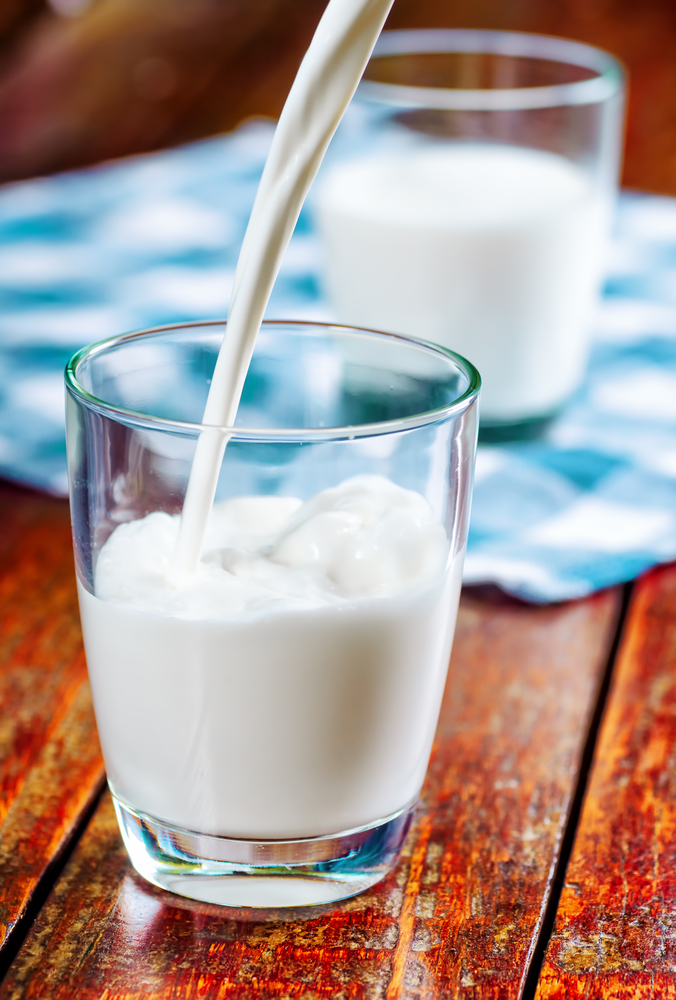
x: 534, y: 967
x: 50, y: 876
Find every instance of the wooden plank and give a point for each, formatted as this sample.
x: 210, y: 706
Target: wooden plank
x: 50, y: 763
x: 615, y: 931
x: 460, y: 914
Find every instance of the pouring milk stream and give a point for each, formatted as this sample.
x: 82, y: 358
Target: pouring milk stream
x: 322, y: 90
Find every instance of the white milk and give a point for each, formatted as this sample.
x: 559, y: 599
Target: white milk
x: 291, y: 687
x: 493, y: 251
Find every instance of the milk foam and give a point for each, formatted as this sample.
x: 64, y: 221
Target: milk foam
x: 366, y: 537
x: 291, y: 687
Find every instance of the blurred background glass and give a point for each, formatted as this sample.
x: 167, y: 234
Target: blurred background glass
x: 468, y: 198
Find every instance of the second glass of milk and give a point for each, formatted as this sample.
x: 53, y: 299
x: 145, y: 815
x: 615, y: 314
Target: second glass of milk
x: 467, y: 201
x: 266, y: 723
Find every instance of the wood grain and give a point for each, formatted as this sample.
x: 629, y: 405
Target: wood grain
x: 459, y: 915
x: 50, y: 763
x: 615, y: 932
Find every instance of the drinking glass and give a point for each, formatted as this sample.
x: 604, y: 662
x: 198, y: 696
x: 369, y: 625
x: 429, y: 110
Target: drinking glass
x: 467, y: 200
x: 272, y: 758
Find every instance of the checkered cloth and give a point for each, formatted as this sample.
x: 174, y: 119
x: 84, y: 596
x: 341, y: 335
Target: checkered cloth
x: 155, y: 240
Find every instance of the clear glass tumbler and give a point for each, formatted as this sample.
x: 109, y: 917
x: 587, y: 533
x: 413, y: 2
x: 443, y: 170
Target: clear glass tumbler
x: 266, y: 746
x: 467, y: 200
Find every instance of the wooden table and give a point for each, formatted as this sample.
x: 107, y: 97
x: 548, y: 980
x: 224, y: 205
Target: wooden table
x: 541, y: 862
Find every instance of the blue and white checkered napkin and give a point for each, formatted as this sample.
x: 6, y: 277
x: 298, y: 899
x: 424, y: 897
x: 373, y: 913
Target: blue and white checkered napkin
x: 152, y: 240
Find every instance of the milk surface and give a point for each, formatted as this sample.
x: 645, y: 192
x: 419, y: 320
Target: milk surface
x: 291, y: 687
x: 491, y: 250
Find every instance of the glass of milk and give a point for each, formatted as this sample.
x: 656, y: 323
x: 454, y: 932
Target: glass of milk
x: 266, y: 723
x: 467, y: 200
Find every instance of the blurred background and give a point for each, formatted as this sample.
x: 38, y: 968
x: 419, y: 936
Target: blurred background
x: 88, y: 80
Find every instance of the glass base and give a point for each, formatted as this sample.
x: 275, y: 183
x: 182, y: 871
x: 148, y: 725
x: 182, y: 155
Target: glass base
x: 265, y: 873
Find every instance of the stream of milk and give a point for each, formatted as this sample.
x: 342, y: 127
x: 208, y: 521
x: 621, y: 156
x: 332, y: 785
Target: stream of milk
x: 322, y: 90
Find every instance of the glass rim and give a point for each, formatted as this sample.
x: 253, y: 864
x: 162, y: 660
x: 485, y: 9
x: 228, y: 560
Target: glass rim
x: 608, y: 82
x: 147, y: 421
